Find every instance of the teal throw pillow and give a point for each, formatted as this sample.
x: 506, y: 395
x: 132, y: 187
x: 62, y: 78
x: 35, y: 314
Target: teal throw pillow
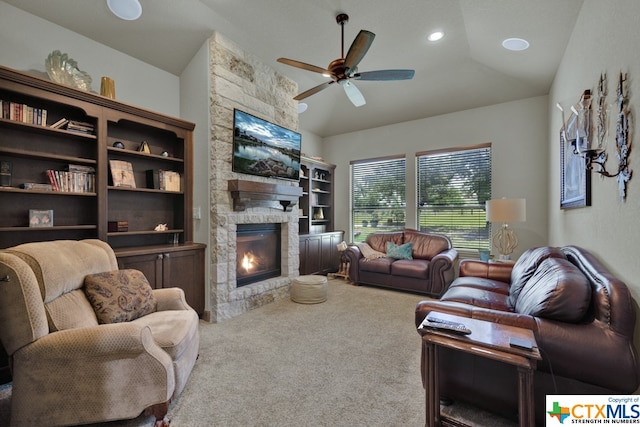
x: 399, y: 251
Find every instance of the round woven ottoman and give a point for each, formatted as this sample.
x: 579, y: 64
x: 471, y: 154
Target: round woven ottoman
x: 309, y: 289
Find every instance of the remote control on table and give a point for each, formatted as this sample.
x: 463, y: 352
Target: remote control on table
x: 445, y: 325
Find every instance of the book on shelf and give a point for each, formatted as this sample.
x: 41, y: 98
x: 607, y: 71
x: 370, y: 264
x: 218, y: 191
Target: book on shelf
x: 75, y: 179
x: 5, y: 173
x: 59, y: 124
x: 81, y: 168
x: 172, y: 181
x: 164, y: 180
x: 36, y: 186
x: 23, y: 113
x: 80, y: 127
x: 122, y: 174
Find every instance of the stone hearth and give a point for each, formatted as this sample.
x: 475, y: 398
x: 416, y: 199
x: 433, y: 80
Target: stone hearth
x: 230, y: 300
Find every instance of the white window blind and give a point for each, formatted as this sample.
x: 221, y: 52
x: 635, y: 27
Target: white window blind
x: 378, y: 199
x: 453, y: 186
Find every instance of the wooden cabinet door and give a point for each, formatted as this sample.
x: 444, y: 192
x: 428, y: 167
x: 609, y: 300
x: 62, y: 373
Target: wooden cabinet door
x: 149, y: 264
x: 310, y: 254
x: 178, y: 266
x: 327, y: 253
x: 185, y: 269
x: 330, y: 254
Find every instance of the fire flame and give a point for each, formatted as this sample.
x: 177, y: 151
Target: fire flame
x: 247, y: 261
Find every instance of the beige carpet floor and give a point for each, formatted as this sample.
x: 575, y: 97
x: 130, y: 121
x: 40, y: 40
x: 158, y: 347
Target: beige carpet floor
x: 353, y: 360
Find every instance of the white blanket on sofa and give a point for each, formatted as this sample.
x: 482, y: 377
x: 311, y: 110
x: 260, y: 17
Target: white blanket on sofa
x: 368, y: 252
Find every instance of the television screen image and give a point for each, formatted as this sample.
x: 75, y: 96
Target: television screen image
x: 265, y: 149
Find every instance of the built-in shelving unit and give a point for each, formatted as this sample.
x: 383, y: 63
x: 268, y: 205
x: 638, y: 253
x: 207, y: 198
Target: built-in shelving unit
x: 318, y: 238
x: 32, y: 147
x: 316, y: 180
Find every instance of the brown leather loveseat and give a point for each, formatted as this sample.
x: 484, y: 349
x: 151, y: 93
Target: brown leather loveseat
x: 428, y: 267
x: 583, y: 319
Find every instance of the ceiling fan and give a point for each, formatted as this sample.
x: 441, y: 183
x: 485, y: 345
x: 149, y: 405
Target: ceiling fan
x: 345, y: 68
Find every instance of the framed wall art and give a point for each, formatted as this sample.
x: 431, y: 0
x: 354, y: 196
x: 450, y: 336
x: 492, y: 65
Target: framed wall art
x: 575, y: 178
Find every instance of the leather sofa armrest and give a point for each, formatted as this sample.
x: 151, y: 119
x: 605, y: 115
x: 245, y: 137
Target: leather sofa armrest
x: 500, y: 271
x: 590, y: 352
x: 467, y: 310
x: 171, y: 299
x: 442, y: 270
x: 450, y: 257
x: 354, y: 255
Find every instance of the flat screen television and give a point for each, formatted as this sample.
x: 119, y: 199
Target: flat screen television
x: 265, y: 149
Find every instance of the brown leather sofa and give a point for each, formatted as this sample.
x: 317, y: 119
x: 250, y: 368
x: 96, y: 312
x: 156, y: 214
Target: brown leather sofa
x: 429, y: 271
x: 583, y: 319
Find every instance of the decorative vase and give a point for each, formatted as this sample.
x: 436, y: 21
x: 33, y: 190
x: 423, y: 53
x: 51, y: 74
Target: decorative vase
x: 108, y: 87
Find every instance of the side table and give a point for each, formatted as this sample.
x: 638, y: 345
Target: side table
x: 487, y: 339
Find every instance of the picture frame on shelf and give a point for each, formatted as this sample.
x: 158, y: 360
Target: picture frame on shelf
x: 5, y: 173
x: 40, y: 217
x: 122, y: 174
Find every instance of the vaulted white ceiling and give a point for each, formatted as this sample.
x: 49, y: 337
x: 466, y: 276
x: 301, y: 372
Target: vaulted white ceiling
x: 468, y: 68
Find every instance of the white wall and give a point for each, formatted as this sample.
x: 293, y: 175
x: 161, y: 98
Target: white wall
x: 311, y: 144
x: 605, y: 39
x: 517, y: 131
x: 27, y: 40
x: 194, y: 91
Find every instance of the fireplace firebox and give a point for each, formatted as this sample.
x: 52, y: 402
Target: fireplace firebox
x: 257, y: 253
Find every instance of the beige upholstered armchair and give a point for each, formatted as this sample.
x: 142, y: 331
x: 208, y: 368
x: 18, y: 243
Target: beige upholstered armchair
x: 68, y: 366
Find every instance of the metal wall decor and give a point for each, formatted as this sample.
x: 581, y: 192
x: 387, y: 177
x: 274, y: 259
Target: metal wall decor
x: 623, y: 144
x: 598, y: 157
x: 575, y: 136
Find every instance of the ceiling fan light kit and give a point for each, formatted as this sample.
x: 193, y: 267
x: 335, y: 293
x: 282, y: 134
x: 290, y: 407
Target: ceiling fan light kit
x: 345, y: 68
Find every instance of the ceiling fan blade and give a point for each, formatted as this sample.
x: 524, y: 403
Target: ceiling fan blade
x: 385, y: 75
x: 313, y: 90
x: 358, y: 49
x: 304, y: 66
x: 353, y: 93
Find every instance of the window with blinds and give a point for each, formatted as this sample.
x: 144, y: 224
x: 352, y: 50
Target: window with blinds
x: 378, y: 199
x: 453, y: 186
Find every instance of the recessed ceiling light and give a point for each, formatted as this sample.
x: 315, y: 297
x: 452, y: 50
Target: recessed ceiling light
x: 302, y: 107
x: 435, y: 36
x: 515, y: 43
x: 129, y: 10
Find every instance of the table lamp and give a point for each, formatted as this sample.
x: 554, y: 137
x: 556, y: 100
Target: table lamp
x: 506, y: 211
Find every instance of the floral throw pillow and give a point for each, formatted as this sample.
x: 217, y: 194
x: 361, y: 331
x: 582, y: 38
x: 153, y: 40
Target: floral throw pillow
x: 399, y: 251
x: 119, y: 295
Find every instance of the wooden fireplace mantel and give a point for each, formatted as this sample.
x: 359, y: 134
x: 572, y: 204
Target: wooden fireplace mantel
x: 252, y: 194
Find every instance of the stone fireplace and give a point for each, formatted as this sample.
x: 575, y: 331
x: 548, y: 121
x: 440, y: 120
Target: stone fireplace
x: 238, y: 80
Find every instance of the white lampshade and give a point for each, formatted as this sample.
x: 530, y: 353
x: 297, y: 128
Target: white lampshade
x: 506, y: 210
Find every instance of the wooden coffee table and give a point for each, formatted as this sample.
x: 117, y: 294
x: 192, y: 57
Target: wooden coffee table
x: 487, y: 339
